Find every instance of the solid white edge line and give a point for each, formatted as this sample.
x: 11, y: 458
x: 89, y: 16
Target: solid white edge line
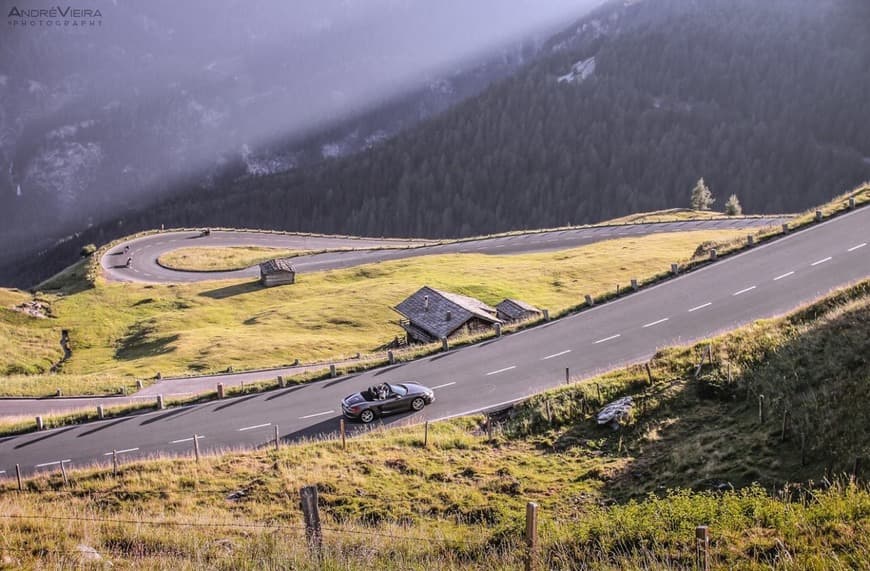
x: 853, y: 248
x: 816, y: 263
x: 316, y: 414
x: 43, y: 465
x: 708, y: 304
x: 656, y: 322
x: 501, y: 370
x: 255, y: 426
x: 554, y: 355
x: 444, y: 385
x: 612, y: 337
x: 122, y: 451
x: 743, y: 291
x: 776, y: 279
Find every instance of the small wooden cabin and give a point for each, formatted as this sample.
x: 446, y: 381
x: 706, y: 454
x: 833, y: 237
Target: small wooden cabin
x: 277, y: 272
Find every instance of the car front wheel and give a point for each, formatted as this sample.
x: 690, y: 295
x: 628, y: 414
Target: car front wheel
x: 418, y: 403
x: 367, y: 416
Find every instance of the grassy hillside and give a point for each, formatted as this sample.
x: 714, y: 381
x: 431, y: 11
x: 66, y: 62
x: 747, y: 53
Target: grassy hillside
x: 123, y: 331
x: 627, y: 499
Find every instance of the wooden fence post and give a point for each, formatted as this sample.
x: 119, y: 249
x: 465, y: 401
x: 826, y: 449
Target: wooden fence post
x: 341, y: 429
x: 160, y: 403
x: 702, y: 547
x: 332, y: 371
x: 649, y: 373
x: 277, y: 439
x: 531, y: 536
x: 114, y: 462
x: 220, y: 391
x: 634, y: 285
x: 313, y: 532
x: 40, y: 425
x: 589, y: 301
x: 196, y: 446
x: 567, y: 375
x: 444, y: 345
x: 750, y: 240
x: 63, y: 473
x: 426, y: 434
x: 101, y: 412
x: 18, y: 477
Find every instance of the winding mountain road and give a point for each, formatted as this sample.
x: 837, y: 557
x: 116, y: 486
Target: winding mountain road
x: 762, y: 282
x: 146, y: 250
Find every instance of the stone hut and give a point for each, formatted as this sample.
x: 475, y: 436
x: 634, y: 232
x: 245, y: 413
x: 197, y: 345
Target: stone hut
x: 430, y: 314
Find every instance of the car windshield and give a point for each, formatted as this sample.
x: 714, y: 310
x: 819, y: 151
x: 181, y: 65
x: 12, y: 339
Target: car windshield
x: 399, y: 390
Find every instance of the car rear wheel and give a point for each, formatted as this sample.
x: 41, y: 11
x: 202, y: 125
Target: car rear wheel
x: 367, y: 416
x: 418, y: 403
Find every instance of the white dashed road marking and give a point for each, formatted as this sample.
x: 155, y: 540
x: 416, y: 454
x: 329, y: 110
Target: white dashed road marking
x: 741, y: 292
x: 828, y: 259
x: 612, y: 337
x: 501, y: 370
x: 554, y: 355
x: 777, y: 278
x: 708, y: 304
x: 655, y: 322
x: 122, y: 451
x: 317, y: 414
x: 444, y: 385
x: 255, y: 426
x: 853, y: 248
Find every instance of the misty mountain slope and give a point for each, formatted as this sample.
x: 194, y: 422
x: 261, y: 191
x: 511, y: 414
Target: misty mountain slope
x: 165, y: 96
x: 633, y: 103
x: 765, y: 100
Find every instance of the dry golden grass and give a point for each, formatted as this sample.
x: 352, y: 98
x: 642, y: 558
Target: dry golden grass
x: 217, y: 259
x: 135, y: 330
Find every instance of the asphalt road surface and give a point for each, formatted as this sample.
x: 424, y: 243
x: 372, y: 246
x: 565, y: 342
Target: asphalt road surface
x: 765, y: 281
x: 146, y: 250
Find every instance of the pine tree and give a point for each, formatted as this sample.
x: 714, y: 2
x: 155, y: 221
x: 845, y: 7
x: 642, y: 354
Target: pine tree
x: 732, y: 207
x: 702, y: 198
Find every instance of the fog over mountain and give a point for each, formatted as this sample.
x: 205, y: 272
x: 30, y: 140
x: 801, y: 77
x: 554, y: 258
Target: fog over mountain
x: 154, y: 95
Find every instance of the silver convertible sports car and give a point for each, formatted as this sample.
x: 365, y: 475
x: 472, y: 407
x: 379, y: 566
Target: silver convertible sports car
x: 386, y: 398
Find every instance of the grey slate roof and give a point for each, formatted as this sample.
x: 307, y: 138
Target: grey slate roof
x: 516, y: 309
x: 276, y: 266
x: 434, y: 319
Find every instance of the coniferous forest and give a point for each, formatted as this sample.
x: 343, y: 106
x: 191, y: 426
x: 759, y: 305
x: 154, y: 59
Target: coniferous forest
x: 765, y: 100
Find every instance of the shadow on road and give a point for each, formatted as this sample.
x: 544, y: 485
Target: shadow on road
x: 232, y: 290
x: 285, y: 392
x: 46, y: 437
x: 340, y: 380
x: 103, y: 426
